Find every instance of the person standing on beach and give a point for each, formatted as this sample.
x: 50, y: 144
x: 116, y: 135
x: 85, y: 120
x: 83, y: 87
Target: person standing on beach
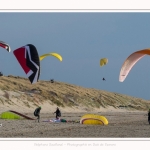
x: 37, y: 113
x: 149, y: 116
x: 58, y: 113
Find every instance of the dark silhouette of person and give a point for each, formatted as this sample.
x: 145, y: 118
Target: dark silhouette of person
x: 52, y: 80
x: 149, y: 116
x: 58, y: 113
x: 37, y: 113
x: 1, y: 74
x: 103, y: 79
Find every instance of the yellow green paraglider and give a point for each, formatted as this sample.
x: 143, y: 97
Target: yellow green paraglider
x: 93, y: 119
x: 9, y: 115
x: 58, y: 56
x: 103, y: 61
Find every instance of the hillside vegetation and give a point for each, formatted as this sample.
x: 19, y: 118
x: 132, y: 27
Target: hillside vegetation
x: 19, y: 92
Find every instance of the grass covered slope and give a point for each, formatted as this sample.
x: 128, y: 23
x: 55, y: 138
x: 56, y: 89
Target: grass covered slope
x: 18, y: 92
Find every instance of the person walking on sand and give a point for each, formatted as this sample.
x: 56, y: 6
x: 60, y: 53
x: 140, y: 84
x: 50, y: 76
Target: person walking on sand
x: 37, y: 113
x: 149, y: 116
x: 58, y: 113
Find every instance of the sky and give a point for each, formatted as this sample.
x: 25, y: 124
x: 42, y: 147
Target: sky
x: 82, y: 39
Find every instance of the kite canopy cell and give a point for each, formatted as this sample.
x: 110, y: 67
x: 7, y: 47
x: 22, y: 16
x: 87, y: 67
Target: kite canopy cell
x: 5, y: 46
x: 131, y: 61
x: 58, y: 56
x: 28, y: 58
x: 93, y: 119
x: 103, y: 61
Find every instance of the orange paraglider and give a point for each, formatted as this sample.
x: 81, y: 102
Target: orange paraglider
x: 131, y: 61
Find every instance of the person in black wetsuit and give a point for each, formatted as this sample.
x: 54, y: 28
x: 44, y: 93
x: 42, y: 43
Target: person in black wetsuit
x: 58, y: 113
x: 37, y: 113
x: 149, y: 116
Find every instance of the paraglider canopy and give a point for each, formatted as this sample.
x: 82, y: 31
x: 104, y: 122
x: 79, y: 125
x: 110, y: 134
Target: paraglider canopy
x: 58, y: 56
x: 28, y: 58
x: 131, y: 61
x: 103, y: 61
x: 5, y: 46
x: 93, y: 119
x: 9, y: 115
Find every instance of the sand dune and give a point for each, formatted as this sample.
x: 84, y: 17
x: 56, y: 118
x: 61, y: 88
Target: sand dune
x: 127, y: 116
x: 16, y: 93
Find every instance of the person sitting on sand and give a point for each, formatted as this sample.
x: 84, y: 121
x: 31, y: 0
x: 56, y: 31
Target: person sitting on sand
x: 149, y: 116
x: 37, y: 113
x: 58, y: 113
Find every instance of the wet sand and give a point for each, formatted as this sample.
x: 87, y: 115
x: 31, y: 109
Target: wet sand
x: 121, y: 125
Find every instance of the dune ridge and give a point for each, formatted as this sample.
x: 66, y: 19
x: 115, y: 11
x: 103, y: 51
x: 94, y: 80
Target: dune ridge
x: 16, y: 93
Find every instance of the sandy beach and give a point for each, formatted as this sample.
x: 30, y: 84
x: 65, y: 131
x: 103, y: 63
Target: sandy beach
x: 123, y: 124
x: 126, y: 115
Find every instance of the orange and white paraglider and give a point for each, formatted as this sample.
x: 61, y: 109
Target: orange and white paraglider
x: 131, y: 61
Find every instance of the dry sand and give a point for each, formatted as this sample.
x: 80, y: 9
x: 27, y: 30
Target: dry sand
x: 74, y: 101
x: 122, y: 124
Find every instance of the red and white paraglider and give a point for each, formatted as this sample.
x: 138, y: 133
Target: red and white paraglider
x: 28, y: 58
x: 5, y: 46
